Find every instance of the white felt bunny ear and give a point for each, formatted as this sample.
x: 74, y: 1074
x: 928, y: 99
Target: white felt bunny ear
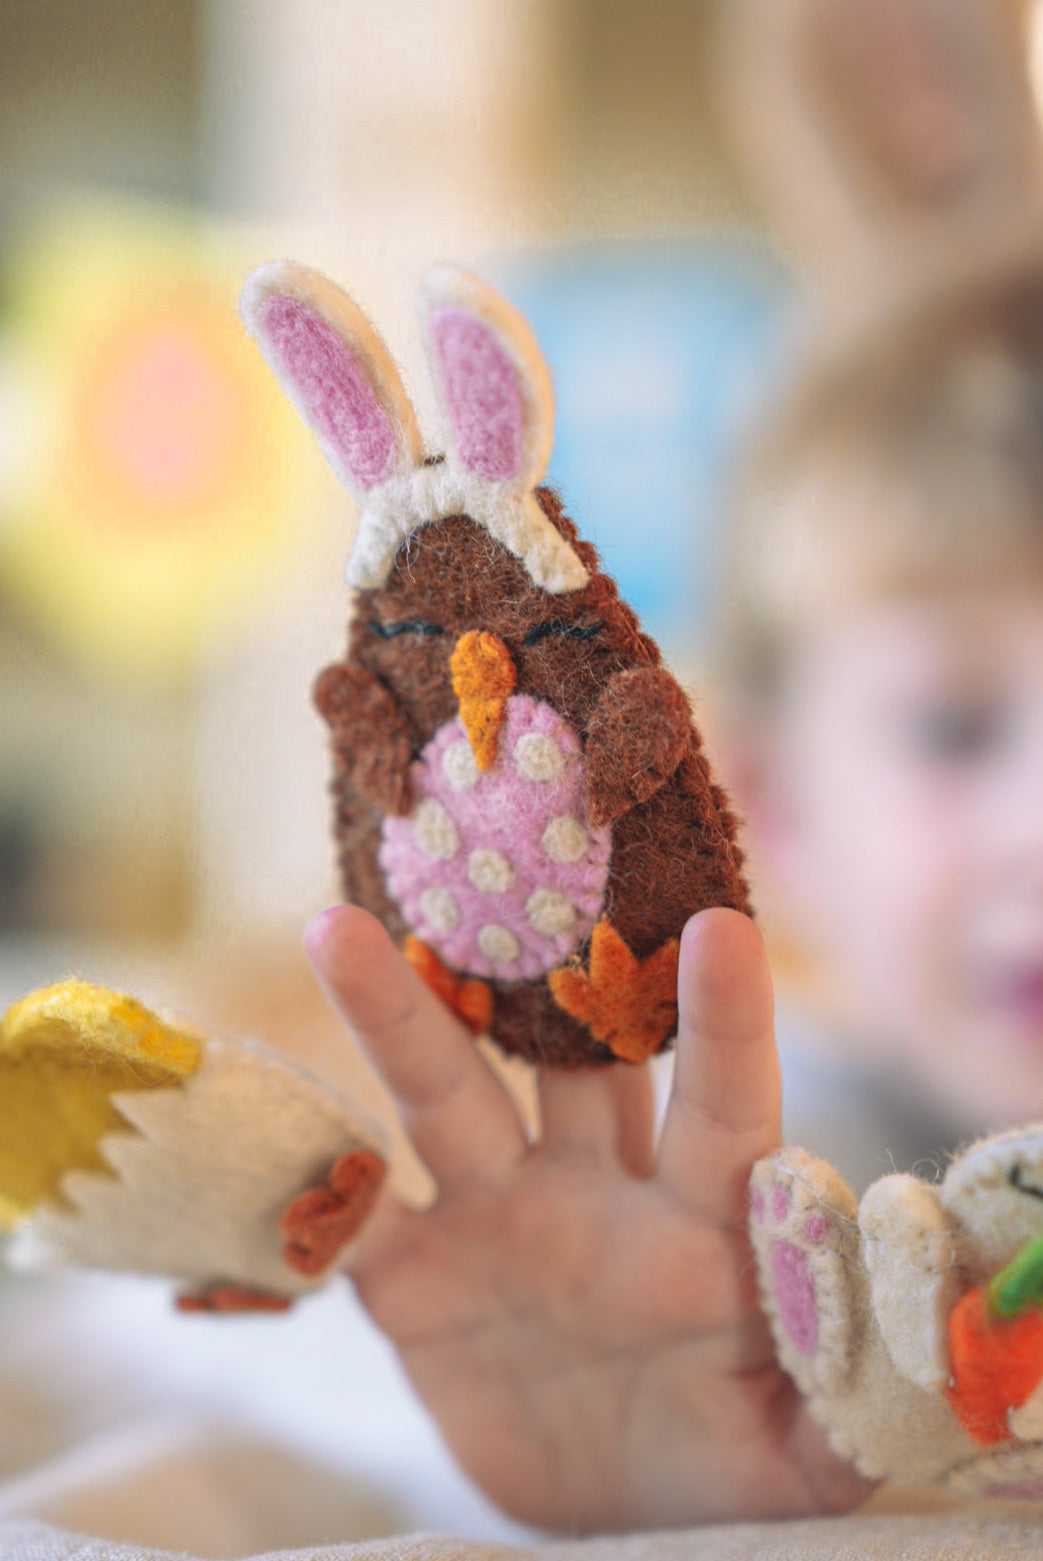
x: 492, y: 382
x: 336, y: 371
x: 494, y: 391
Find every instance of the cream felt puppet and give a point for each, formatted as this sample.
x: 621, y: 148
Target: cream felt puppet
x: 520, y: 792
x: 131, y: 1143
x: 913, y: 1322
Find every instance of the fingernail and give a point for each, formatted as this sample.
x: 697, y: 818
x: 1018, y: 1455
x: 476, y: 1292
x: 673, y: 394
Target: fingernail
x: 317, y: 933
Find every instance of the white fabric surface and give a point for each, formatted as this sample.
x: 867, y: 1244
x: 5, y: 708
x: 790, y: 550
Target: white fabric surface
x: 271, y: 1435
x: 963, y: 1537
x: 87, y: 1354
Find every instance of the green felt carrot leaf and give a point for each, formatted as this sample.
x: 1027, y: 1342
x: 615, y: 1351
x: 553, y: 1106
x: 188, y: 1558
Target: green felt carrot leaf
x: 1020, y: 1284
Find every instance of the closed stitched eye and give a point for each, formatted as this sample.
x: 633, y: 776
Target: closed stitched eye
x: 391, y: 631
x: 1014, y: 1177
x: 574, y: 631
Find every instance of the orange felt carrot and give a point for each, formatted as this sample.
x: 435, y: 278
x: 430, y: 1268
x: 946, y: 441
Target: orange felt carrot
x: 995, y: 1364
x: 483, y: 680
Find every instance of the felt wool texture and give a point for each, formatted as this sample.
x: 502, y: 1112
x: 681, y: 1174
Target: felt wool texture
x: 882, y: 1313
x: 197, y: 1175
x: 481, y: 393
x: 637, y: 738
x: 347, y: 415
x: 336, y: 371
x: 356, y: 705
x: 988, y: 1199
x: 910, y: 1257
x: 996, y: 1364
x: 499, y: 412
x: 1020, y: 1284
x: 395, y: 511
x: 474, y: 878
x: 231, y: 1299
x: 483, y: 680
x: 470, y: 1000
x: 512, y: 764
x: 672, y: 847
x: 494, y: 390
x: 321, y: 1222
x: 624, y: 1002
x: 64, y: 1051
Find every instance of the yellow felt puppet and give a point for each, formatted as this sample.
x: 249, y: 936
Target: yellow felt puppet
x: 127, y: 1142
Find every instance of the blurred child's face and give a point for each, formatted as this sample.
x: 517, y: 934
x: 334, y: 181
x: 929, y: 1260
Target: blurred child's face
x: 904, y: 823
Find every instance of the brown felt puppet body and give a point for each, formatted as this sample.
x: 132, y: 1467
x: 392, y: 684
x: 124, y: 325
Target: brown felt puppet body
x: 519, y: 788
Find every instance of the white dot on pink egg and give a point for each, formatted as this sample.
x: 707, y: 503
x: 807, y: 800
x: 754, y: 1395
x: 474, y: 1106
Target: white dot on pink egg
x: 434, y: 830
x: 498, y: 943
x: 490, y: 871
x: 509, y: 848
x: 565, y: 839
x: 550, y: 912
x: 439, y: 909
x: 459, y: 765
x: 538, y: 757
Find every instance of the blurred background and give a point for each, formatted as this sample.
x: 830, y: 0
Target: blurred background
x: 171, y: 546
x: 172, y: 551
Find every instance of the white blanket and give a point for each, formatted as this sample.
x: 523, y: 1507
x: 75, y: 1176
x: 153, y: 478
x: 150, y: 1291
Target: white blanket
x: 128, y: 1433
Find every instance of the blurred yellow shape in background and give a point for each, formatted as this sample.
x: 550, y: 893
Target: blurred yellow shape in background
x: 160, y: 481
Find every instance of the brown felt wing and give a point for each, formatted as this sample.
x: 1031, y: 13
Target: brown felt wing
x: 372, y: 736
x: 638, y: 734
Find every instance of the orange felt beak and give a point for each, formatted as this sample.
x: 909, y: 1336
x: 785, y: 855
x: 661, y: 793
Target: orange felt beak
x: 483, y: 681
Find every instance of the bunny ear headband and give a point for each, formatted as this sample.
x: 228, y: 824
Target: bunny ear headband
x: 493, y: 389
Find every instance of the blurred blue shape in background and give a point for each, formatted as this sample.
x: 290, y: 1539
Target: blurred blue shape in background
x: 661, y: 356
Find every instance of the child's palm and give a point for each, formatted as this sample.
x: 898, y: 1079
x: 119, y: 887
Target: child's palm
x: 580, y: 1316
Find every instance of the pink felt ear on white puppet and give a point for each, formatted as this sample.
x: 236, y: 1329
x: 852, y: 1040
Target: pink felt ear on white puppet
x: 490, y: 377
x: 336, y: 371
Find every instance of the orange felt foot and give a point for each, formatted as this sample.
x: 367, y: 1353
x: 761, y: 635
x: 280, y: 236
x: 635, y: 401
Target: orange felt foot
x: 232, y: 1298
x: 319, y: 1223
x: 469, y: 999
x: 628, y: 1004
x: 995, y: 1362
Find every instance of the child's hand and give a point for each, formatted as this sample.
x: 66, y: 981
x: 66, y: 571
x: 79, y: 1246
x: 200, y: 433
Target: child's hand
x: 580, y: 1316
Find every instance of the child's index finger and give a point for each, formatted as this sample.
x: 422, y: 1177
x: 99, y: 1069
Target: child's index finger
x: 459, y: 1117
x: 725, y: 1108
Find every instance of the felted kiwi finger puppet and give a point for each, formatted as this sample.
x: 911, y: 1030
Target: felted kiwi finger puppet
x: 913, y: 1322
x: 131, y: 1143
x: 520, y: 793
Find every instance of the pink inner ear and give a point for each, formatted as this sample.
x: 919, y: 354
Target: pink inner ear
x: 795, y: 1295
x: 331, y: 384
x: 483, y: 399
